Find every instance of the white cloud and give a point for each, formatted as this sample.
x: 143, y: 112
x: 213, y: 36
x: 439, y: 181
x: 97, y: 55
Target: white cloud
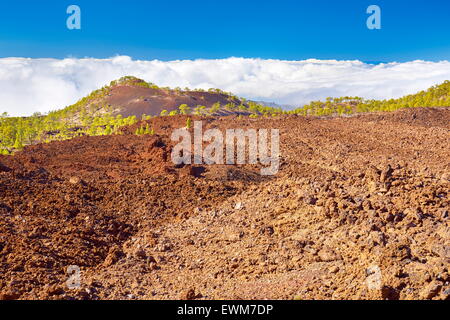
x: 29, y: 85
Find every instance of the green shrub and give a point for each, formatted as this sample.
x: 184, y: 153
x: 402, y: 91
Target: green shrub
x: 188, y: 123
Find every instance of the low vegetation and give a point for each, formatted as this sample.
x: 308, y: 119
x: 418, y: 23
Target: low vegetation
x: 436, y: 96
x: 16, y: 132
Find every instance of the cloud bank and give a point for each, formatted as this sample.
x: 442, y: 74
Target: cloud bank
x: 31, y: 85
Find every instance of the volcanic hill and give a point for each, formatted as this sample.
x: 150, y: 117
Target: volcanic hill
x: 130, y: 96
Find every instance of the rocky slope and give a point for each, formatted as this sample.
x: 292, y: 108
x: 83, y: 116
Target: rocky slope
x: 358, y: 210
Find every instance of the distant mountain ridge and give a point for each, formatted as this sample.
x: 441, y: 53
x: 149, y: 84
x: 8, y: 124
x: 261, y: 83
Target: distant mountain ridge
x: 274, y: 104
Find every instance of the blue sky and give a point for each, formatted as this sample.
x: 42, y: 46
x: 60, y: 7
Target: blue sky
x: 282, y: 29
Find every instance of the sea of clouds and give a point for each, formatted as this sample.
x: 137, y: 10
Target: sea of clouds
x: 31, y: 85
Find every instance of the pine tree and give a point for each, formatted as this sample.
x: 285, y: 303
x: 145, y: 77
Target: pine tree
x: 188, y: 123
x: 18, y: 143
x: 215, y: 107
x: 108, y: 130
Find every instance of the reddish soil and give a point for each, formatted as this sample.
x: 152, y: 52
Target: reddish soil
x: 135, y: 100
x: 358, y: 210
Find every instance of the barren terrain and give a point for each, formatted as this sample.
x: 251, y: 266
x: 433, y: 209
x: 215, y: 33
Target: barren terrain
x: 359, y: 210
